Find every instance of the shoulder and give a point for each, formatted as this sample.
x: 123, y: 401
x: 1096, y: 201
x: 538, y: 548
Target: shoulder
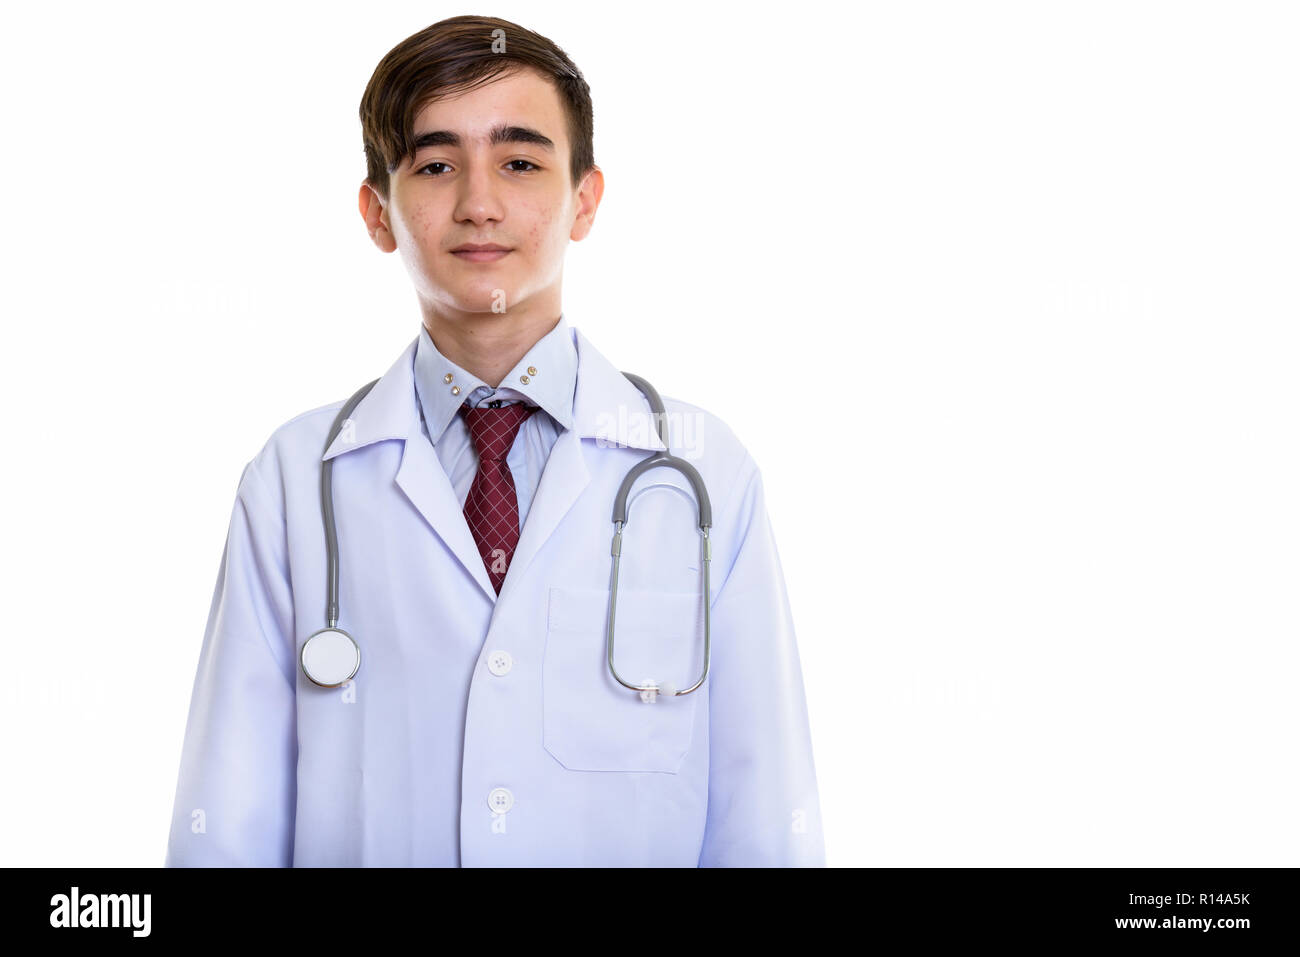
x: 731, y: 476
x: 704, y: 439
x: 296, y: 445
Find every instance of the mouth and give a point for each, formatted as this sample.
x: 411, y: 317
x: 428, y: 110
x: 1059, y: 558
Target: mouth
x: 481, y: 253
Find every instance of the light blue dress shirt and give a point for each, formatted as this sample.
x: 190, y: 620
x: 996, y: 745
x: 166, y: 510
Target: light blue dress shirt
x: 546, y: 376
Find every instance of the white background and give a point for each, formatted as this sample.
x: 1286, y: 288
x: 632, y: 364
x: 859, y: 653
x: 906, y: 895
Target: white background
x: 1002, y: 297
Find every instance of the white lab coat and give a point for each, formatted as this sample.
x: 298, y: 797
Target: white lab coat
x: 486, y: 730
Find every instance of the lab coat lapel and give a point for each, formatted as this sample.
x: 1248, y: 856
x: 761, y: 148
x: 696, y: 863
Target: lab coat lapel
x: 563, y: 480
x: 425, y: 482
x: 391, y: 411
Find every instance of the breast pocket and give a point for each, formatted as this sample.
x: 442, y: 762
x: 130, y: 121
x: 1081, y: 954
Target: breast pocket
x: 590, y: 721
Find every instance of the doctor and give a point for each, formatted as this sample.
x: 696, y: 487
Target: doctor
x: 473, y: 488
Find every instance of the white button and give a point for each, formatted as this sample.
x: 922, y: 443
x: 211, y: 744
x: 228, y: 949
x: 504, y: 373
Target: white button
x: 499, y: 662
x: 501, y: 800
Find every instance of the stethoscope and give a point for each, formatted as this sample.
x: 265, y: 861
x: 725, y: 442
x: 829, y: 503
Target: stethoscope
x: 331, y: 656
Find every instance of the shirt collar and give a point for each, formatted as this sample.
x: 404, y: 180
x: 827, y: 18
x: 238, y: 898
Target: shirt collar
x: 546, y: 376
x: 606, y: 406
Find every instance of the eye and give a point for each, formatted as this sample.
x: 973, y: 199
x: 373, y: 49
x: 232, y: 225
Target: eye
x: 526, y: 163
x: 430, y: 166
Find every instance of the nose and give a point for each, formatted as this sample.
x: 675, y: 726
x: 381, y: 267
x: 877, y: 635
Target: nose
x: 478, y: 200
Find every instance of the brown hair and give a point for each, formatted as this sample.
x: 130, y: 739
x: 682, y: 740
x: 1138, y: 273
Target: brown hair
x: 454, y: 56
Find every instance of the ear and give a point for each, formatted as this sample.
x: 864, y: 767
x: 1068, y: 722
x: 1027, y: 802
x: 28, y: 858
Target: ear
x: 374, y: 210
x: 589, y: 193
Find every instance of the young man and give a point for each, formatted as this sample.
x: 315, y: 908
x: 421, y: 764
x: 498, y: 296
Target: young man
x: 476, y: 719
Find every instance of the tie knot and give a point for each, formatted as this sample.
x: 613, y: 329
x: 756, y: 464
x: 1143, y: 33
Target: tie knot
x: 492, y: 430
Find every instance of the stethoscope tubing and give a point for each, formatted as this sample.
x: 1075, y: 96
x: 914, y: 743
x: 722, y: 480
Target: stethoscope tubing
x: 327, y: 507
x: 657, y: 459
x: 660, y: 459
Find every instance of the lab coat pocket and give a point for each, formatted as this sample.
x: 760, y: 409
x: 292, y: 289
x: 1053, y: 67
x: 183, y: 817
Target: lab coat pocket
x: 590, y: 721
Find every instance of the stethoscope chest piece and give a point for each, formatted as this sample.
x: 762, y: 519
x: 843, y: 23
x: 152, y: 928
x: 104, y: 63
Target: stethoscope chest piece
x: 330, y: 657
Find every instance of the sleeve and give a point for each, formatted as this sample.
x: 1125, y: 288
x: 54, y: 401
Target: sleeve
x: 763, y: 805
x: 236, y: 795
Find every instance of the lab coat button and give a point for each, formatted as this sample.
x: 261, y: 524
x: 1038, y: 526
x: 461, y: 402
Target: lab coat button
x: 499, y: 662
x: 500, y: 800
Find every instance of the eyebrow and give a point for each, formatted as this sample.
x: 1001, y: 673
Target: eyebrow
x: 504, y: 133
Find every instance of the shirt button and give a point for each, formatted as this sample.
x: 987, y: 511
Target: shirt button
x: 500, y: 800
x: 499, y: 662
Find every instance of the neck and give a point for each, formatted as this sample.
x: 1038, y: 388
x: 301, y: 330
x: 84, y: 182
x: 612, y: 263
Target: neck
x: 488, y: 345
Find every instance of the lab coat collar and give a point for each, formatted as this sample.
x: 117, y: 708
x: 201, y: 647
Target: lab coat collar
x: 606, y: 407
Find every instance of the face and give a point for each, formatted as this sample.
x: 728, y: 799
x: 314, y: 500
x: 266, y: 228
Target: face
x: 462, y: 188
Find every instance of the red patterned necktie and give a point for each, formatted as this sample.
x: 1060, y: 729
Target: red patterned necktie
x: 492, y: 508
